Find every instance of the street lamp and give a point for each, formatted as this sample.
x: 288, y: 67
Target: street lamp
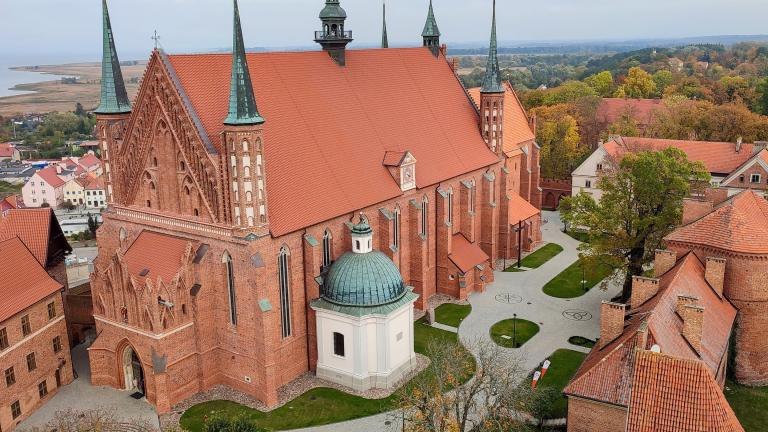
x: 519, y: 231
x: 583, y: 275
x: 514, y: 330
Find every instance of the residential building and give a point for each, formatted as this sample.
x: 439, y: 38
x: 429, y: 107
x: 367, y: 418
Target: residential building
x: 74, y: 190
x: 9, y: 203
x: 34, y: 347
x: 91, y: 164
x: 95, y: 193
x: 8, y: 152
x: 225, y: 233
x: 733, y: 166
x: 45, y: 187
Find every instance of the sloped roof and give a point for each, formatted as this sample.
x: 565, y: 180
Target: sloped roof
x: 520, y: 209
x: 94, y: 183
x: 466, y: 255
x: 517, y: 129
x: 333, y: 128
x: 155, y: 256
x: 604, y: 374
x: 611, y: 110
x: 38, y: 229
x: 24, y: 282
x: 671, y: 394
x: 718, y: 157
x: 10, y: 202
x: 50, y: 176
x: 89, y: 161
x: 7, y: 150
x: 739, y: 224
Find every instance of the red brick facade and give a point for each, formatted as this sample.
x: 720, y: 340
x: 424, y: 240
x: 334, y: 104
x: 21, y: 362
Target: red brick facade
x: 51, y: 367
x: 161, y: 178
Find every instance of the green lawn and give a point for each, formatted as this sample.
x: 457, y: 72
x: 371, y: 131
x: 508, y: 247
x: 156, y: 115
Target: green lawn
x: 316, y: 407
x: 541, y: 256
x: 581, y: 341
x: 568, y: 283
x: 523, y: 331
x: 564, y: 365
x: 7, y: 188
x: 578, y: 235
x: 452, y: 314
x: 750, y: 405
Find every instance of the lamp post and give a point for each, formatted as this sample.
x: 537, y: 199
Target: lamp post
x: 514, y: 330
x: 583, y: 274
x: 519, y: 231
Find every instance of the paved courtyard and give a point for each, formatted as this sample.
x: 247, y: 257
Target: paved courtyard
x: 81, y: 396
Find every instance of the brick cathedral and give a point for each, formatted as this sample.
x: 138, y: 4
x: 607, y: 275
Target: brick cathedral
x: 235, y: 182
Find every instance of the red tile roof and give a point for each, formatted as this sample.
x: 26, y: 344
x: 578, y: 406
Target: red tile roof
x: 717, y: 157
x: 671, y: 394
x: 604, y: 374
x: 32, y: 226
x: 24, y: 281
x: 611, y: 110
x: 517, y: 129
x: 89, y: 161
x: 739, y: 224
x: 159, y: 254
x: 7, y: 150
x: 11, y: 202
x: 331, y: 125
x: 94, y: 183
x: 466, y: 255
x: 520, y: 209
x: 50, y: 176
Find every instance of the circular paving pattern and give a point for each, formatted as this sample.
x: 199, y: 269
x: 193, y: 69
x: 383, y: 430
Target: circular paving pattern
x: 577, y: 315
x: 508, y: 298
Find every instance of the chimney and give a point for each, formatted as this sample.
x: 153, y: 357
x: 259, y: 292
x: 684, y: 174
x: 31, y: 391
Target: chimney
x: 664, y: 261
x: 738, y: 144
x: 611, y: 322
x: 643, y: 289
x: 694, y: 209
x: 693, y: 323
x: 683, y: 300
x: 715, y: 274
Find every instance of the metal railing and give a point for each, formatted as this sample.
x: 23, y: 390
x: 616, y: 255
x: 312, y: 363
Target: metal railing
x: 333, y: 35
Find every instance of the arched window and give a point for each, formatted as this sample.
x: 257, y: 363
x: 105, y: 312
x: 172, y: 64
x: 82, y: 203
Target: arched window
x: 259, y: 165
x: 246, y: 171
x: 472, y: 195
x: 245, y: 146
x: 124, y: 314
x: 229, y: 270
x: 197, y: 212
x: 154, y: 162
x: 396, y: 228
x: 248, y: 196
x: 186, y: 190
x: 182, y: 166
x: 449, y: 217
x: 492, y: 189
x: 327, y: 248
x: 424, y: 216
x: 285, y: 287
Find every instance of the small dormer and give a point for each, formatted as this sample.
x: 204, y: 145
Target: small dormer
x: 402, y: 167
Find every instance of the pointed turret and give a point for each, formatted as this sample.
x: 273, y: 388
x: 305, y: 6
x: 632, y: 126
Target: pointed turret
x: 114, y: 98
x: 384, y: 38
x: 492, y: 98
x: 333, y: 38
x: 431, y: 33
x: 492, y: 81
x: 242, y: 102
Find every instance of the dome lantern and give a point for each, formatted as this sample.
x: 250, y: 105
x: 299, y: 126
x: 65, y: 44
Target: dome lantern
x: 362, y: 236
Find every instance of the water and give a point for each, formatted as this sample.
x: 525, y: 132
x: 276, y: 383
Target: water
x: 10, y: 78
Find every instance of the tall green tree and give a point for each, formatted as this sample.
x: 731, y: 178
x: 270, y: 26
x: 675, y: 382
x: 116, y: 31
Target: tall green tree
x: 642, y: 202
x: 601, y: 83
x: 637, y: 84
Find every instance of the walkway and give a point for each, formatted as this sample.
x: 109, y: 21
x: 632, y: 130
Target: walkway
x: 82, y: 396
x: 519, y: 293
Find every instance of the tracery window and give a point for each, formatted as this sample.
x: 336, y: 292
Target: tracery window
x: 424, y: 216
x: 227, y: 260
x: 472, y: 195
x: 285, y: 295
x: 449, y: 217
x: 327, y: 248
x: 396, y: 228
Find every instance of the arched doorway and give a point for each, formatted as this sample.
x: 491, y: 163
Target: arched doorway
x: 133, y: 372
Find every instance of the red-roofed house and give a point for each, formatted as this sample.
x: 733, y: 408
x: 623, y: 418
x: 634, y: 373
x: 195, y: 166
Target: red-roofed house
x: 733, y: 166
x: 34, y: 347
x: 612, y: 110
x: 44, y: 187
x: 95, y: 193
x: 258, y: 180
x: 9, y: 203
x: 8, y: 152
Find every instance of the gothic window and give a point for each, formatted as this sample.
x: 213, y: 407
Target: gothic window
x: 124, y: 314
x: 186, y: 190
x: 396, y: 228
x: 327, y: 248
x: 449, y: 217
x: 197, y: 212
x: 182, y: 166
x: 245, y: 146
x: 424, y: 216
x: 285, y: 295
x: 472, y: 195
x: 248, y: 196
x: 250, y: 221
x: 154, y: 162
x: 246, y: 171
x: 259, y: 165
x: 229, y: 269
x: 492, y: 189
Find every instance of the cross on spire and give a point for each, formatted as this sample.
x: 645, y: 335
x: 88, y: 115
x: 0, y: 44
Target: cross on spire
x: 155, y: 37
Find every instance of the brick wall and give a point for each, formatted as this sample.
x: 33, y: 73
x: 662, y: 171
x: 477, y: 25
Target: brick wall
x: 590, y: 416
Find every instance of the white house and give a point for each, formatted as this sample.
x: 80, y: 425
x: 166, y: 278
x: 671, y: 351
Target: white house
x: 44, y: 187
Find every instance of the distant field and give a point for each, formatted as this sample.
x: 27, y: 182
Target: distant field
x: 55, y: 96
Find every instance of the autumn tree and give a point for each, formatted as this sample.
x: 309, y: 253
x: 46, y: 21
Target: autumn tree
x: 637, y: 84
x: 557, y: 133
x: 95, y: 420
x: 662, y: 79
x: 626, y: 125
x: 601, y: 83
x: 492, y: 400
x: 642, y: 202
x: 702, y: 120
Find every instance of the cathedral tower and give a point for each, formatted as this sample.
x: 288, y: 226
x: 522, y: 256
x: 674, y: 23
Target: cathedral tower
x: 333, y: 38
x: 492, y: 97
x: 243, y: 137
x: 114, y: 107
x: 431, y: 33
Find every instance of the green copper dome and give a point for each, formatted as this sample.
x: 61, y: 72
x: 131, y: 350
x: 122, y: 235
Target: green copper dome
x: 363, y: 279
x: 332, y: 9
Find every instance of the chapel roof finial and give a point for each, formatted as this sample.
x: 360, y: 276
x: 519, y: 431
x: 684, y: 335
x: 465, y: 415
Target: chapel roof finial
x: 492, y: 81
x: 114, y: 98
x: 242, y: 102
x: 384, y: 38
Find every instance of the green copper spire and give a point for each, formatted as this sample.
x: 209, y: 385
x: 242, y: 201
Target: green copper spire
x: 492, y: 81
x: 430, y: 27
x: 114, y: 98
x: 242, y: 102
x: 384, y: 38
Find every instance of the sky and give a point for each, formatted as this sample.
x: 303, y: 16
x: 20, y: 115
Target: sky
x: 53, y: 29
